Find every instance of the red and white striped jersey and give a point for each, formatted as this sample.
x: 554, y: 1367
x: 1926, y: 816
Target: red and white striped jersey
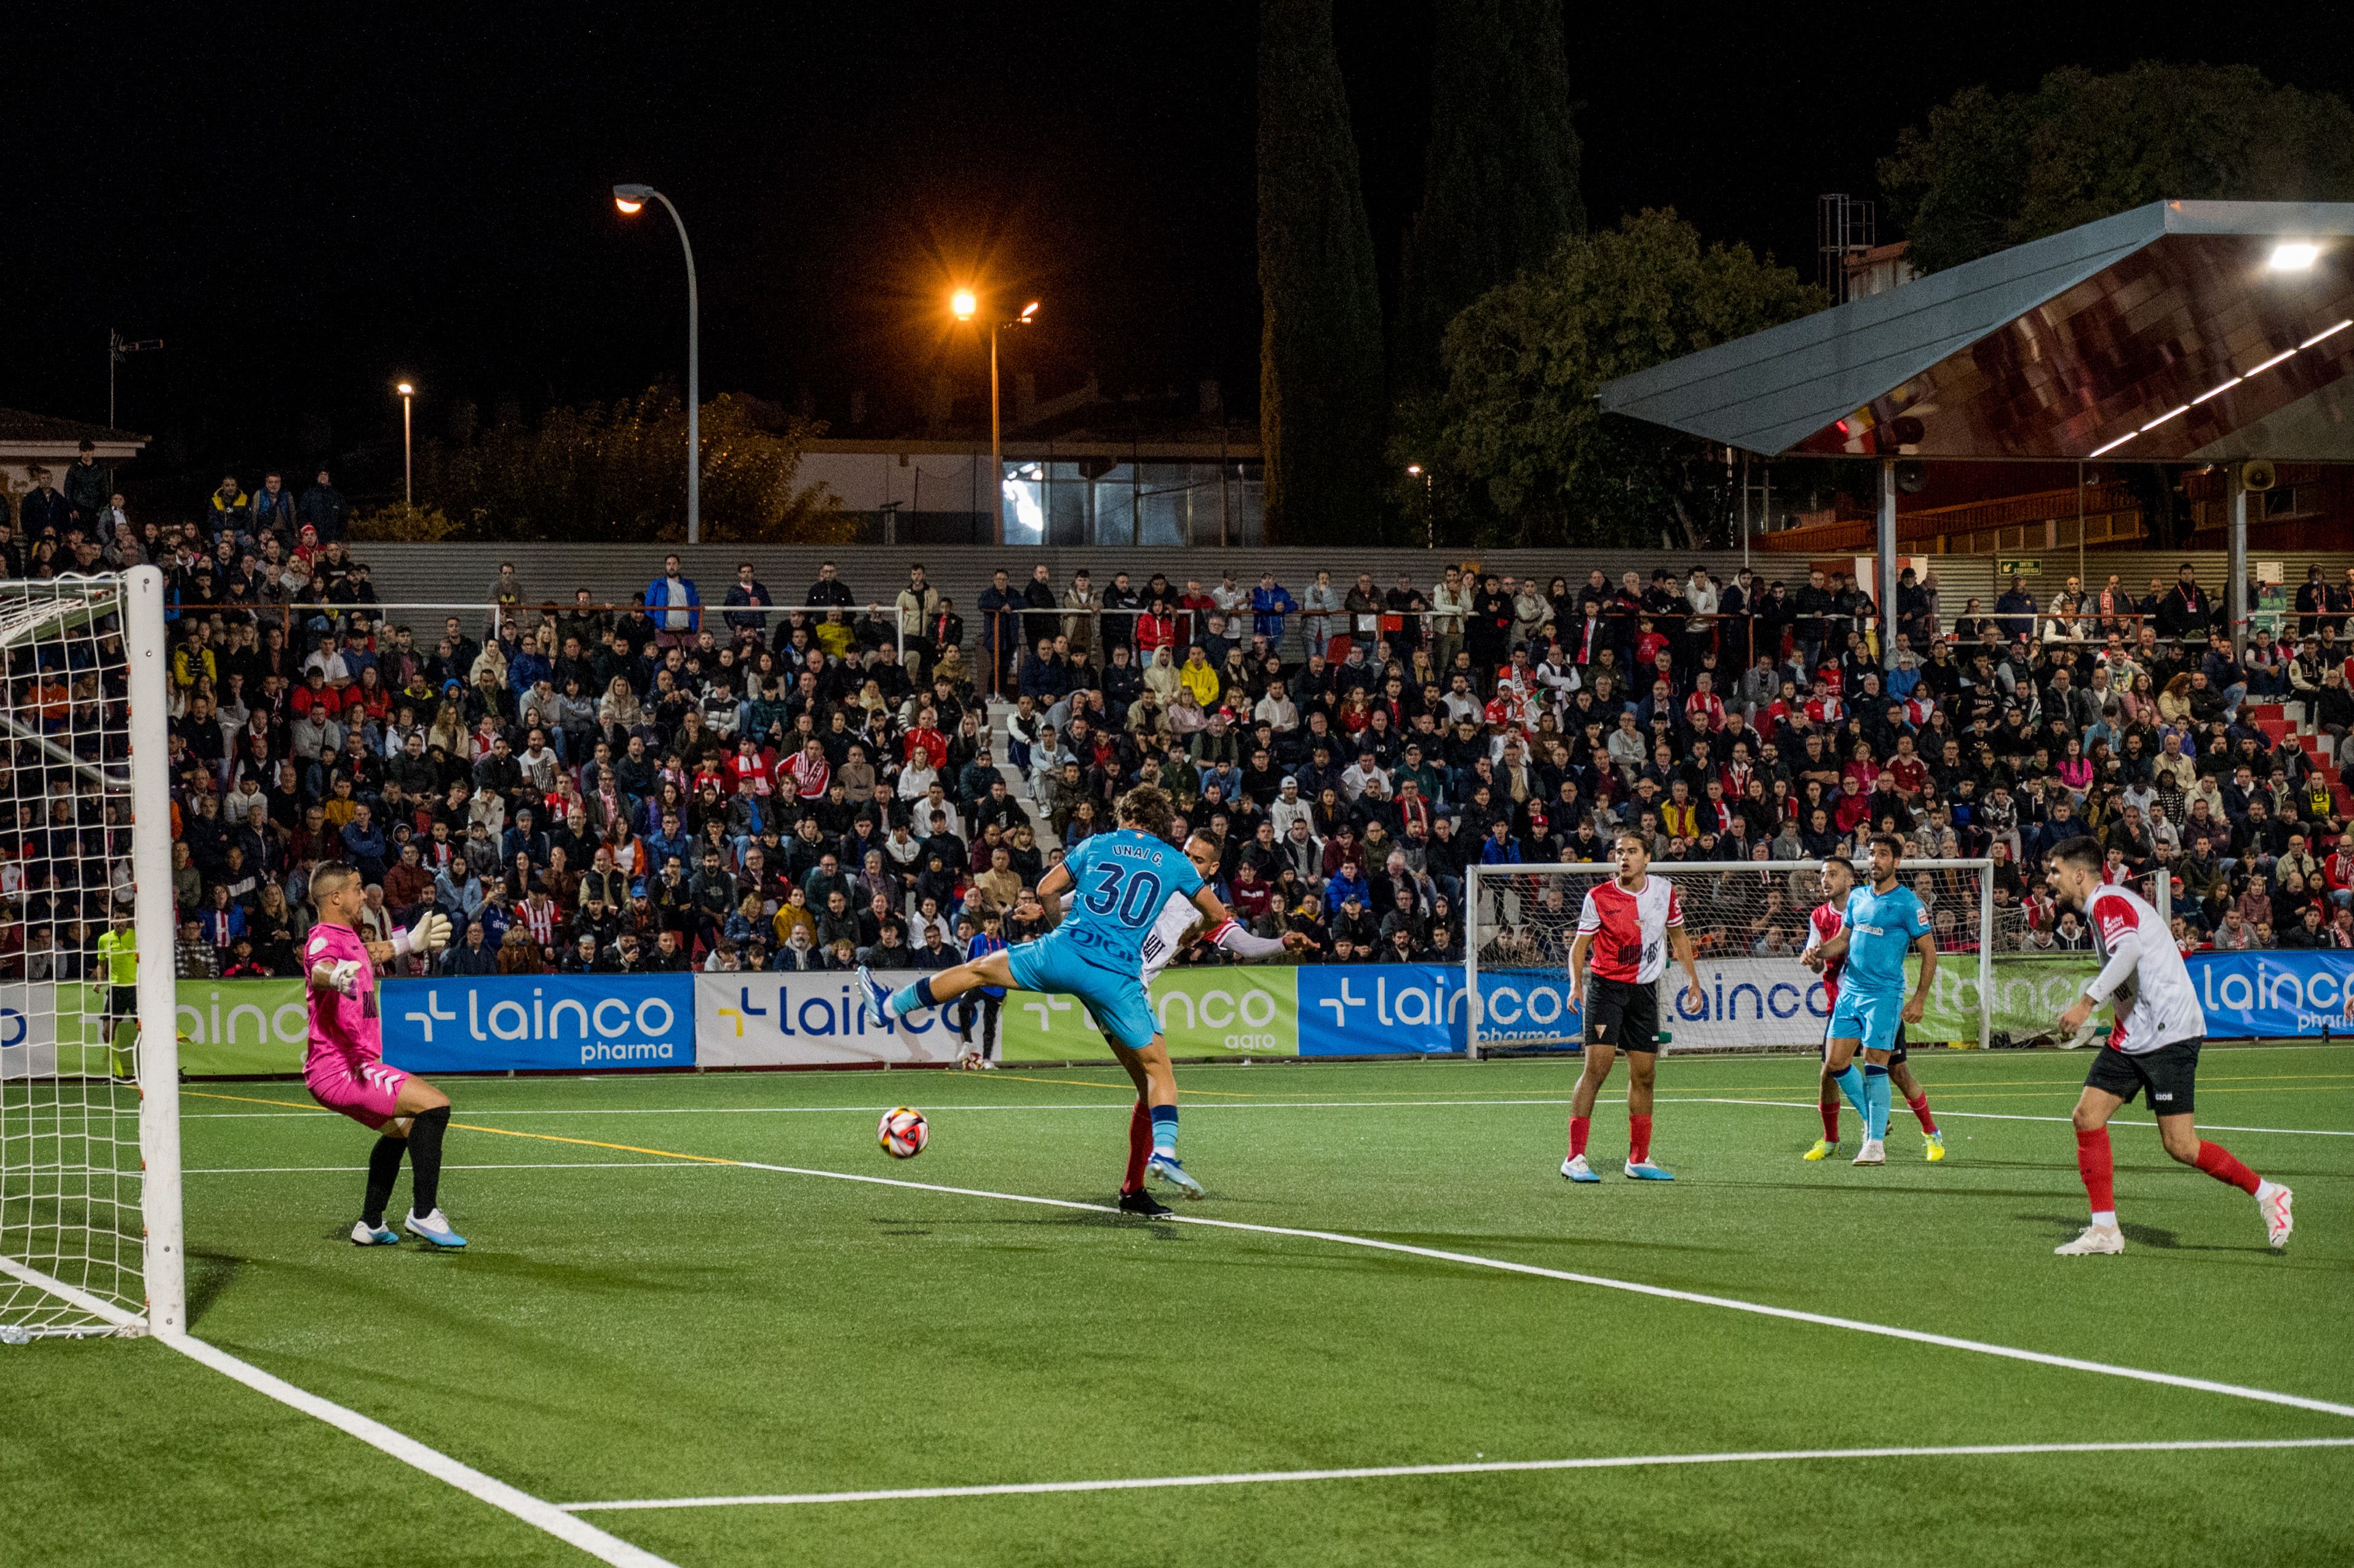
x: 2155, y: 1005
x: 1630, y: 930
x: 1821, y: 926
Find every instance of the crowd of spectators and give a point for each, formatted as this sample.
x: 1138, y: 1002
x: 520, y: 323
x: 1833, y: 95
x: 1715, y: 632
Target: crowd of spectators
x: 810, y: 780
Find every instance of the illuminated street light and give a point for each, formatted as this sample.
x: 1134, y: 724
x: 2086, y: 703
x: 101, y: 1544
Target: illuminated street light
x: 1429, y: 505
x: 964, y: 304
x: 408, y: 452
x: 631, y: 199
x: 2295, y: 255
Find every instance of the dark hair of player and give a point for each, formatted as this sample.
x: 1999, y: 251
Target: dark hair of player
x: 329, y: 877
x: 1895, y: 845
x: 1146, y: 809
x: 1842, y: 862
x: 2079, y: 852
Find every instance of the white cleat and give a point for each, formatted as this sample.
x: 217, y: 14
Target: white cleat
x: 2272, y: 1202
x: 1873, y: 1152
x: 2097, y: 1241
x: 1577, y: 1170
x: 433, y: 1228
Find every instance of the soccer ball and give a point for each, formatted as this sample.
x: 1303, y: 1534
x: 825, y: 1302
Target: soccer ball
x: 903, y: 1132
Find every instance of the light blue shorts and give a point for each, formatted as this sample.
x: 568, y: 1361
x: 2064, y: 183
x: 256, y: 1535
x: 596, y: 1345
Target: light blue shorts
x: 1873, y: 1019
x: 1121, y: 1007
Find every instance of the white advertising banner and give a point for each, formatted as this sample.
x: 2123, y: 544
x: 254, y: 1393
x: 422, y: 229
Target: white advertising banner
x: 805, y: 1020
x: 1746, y: 1003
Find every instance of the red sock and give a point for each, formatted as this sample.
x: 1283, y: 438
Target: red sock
x: 1830, y: 1122
x: 2092, y: 1163
x: 2218, y: 1161
x: 1579, y: 1126
x: 1920, y: 1103
x: 1638, y: 1137
x: 1139, y: 1147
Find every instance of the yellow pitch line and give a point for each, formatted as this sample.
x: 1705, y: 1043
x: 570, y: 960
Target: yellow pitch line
x: 249, y: 1100
x: 593, y: 1143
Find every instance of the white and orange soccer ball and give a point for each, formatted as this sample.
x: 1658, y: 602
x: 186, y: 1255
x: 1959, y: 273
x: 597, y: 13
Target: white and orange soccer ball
x: 903, y: 1132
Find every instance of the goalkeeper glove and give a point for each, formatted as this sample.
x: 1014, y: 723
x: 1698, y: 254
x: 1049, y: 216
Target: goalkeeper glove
x: 344, y: 977
x: 430, y: 935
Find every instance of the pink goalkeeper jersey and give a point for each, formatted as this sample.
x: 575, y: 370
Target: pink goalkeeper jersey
x: 345, y: 1031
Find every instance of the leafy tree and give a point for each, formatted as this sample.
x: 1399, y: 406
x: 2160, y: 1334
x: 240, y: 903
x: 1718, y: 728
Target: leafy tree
x: 405, y: 524
x: 1992, y: 170
x: 1321, y: 406
x: 1500, y: 184
x: 614, y: 471
x: 1523, y: 453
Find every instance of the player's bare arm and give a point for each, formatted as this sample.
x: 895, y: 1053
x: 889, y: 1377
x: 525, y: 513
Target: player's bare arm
x: 1577, y: 950
x: 1917, y: 1004
x: 1680, y: 944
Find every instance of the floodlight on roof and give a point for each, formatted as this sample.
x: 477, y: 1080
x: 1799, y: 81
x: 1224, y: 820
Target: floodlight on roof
x: 2295, y: 255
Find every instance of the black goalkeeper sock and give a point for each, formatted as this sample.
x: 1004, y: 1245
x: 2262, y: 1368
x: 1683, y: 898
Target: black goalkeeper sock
x: 425, y: 1160
x: 383, y: 1165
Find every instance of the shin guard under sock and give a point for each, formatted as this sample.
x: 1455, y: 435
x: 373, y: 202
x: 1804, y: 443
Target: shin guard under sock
x: 1876, y: 1093
x: 1850, y: 1079
x: 2218, y: 1162
x: 1830, y: 1122
x: 1639, y: 1139
x: 383, y: 1165
x: 1139, y: 1147
x: 2095, y: 1165
x: 1920, y: 1103
x: 1579, y: 1126
x: 425, y: 1160
x: 1165, y: 1130
x: 908, y: 998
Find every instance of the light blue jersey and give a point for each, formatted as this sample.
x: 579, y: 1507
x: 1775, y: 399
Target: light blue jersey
x: 1120, y: 881
x: 1882, y: 928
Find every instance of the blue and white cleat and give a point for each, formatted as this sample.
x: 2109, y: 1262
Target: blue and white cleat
x: 433, y: 1228
x: 1647, y: 1171
x: 1577, y: 1170
x: 1164, y: 1168
x: 366, y: 1235
x: 876, y: 995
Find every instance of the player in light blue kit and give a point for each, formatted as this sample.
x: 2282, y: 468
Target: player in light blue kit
x: 1879, y: 923
x: 1120, y: 881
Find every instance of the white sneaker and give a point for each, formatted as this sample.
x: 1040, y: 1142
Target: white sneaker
x: 433, y: 1228
x: 1577, y: 1170
x: 1873, y: 1152
x: 2095, y: 1241
x: 2272, y: 1202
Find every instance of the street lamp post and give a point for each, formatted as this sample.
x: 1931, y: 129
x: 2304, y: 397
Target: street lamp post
x: 631, y: 199
x: 1429, y: 505
x: 408, y: 448
x: 963, y: 304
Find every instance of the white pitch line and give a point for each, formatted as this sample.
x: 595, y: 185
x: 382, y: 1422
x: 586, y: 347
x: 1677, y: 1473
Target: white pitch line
x: 1492, y: 1467
x: 532, y: 1511
x: 2014, y: 1116
x: 511, y: 1165
x: 1662, y: 1292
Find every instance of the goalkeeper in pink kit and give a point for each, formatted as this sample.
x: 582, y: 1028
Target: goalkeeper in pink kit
x: 345, y: 1068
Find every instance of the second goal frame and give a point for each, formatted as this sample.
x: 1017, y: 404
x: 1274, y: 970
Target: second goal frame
x: 1748, y: 922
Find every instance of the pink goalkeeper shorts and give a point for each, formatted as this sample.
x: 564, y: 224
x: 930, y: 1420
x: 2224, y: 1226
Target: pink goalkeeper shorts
x: 370, y: 1097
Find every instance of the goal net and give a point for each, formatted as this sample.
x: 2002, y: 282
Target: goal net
x: 90, y: 1192
x: 1748, y: 921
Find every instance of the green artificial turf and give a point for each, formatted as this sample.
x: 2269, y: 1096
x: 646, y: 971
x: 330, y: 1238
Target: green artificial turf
x: 657, y: 1328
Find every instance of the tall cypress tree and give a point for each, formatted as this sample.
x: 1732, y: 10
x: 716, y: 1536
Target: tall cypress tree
x: 1500, y: 184
x: 1321, y: 406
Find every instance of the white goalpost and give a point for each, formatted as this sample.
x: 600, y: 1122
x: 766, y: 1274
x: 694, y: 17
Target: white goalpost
x: 90, y: 1237
x: 1748, y: 923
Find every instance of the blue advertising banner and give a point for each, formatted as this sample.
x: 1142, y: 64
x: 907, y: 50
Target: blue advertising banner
x: 527, y: 1022
x: 2272, y: 995
x: 1365, y: 1009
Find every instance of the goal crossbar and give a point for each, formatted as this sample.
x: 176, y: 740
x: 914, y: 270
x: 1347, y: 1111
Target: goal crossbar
x: 1747, y: 920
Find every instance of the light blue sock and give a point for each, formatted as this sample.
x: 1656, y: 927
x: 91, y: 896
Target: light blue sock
x: 908, y: 998
x: 1875, y: 1100
x: 1850, y: 1079
x: 1165, y: 1130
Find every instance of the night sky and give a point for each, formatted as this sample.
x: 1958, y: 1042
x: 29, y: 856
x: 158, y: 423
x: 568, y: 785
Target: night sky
x: 307, y: 203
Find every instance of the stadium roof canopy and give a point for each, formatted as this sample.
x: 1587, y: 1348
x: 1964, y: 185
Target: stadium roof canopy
x: 2183, y: 332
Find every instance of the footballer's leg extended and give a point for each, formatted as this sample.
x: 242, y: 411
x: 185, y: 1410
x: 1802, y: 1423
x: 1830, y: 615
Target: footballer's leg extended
x: 2169, y: 1075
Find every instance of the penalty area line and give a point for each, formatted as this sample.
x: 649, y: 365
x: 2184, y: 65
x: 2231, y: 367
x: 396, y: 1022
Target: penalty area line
x: 1492, y: 1467
x: 2016, y: 1115
x: 1473, y: 1260
x: 534, y: 1511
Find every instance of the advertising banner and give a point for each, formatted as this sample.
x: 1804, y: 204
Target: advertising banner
x: 2030, y: 994
x: 1230, y: 1010
x: 227, y: 1028
x: 2272, y: 995
x: 1364, y: 1009
x: 801, y: 1020
x: 538, y: 1023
